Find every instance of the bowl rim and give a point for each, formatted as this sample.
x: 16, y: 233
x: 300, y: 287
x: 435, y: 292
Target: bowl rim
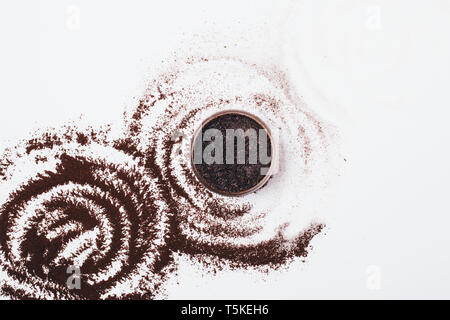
x: 262, y: 182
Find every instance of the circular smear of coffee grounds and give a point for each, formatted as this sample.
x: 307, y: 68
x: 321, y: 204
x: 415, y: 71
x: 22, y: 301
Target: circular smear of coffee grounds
x: 267, y: 227
x: 244, y: 143
x: 80, y: 219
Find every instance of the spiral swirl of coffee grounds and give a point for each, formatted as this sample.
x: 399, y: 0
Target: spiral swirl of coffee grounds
x: 271, y: 226
x: 80, y: 218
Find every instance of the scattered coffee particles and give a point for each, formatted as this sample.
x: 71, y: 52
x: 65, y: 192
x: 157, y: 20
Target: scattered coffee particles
x: 76, y: 202
x: 271, y: 226
x: 234, y: 178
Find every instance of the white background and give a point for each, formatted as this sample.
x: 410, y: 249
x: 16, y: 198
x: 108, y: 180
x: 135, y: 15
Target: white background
x: 380, y: 70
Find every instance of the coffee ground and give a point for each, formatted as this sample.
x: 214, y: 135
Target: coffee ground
x: 118, y: 208
x: 74, y: 199
x: 265, y: 229
x: 234, y: 178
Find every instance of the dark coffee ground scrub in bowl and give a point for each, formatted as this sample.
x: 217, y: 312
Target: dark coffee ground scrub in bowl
x: 238, y: 164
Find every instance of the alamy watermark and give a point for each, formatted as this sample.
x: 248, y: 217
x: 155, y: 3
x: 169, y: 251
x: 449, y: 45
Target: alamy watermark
x: 236, y: 147
x: 373, y: 280
x: 73, y: 20
x: 74, y: 278
x: 373, y: 18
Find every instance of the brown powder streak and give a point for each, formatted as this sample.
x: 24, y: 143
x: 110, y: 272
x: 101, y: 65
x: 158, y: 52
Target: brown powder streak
x: 273, y: 251
x: 127, y: 189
